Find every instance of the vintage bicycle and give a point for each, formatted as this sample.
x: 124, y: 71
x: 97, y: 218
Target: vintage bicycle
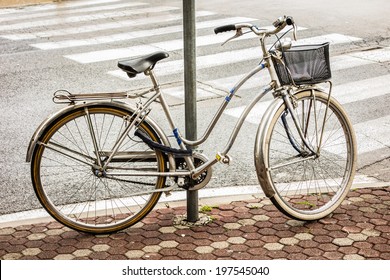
x: 100, y: 164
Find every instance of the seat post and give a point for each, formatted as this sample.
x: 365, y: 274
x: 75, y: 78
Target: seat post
x: 150, y: 73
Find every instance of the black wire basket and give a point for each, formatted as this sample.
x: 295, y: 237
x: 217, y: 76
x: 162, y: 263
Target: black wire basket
x: 307, y: 64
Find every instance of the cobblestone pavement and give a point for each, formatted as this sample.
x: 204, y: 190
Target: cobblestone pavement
x: 252, y: 229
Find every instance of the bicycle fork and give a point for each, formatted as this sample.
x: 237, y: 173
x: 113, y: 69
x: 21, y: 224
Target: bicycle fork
x: 291, y: 110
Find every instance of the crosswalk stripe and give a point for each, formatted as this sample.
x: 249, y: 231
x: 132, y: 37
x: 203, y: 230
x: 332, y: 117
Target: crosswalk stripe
x: 111, y: 54
x: 104, y: 55
x: 340, y: 62
x: 364, y: 134
x: 177, y: 92
x: 48, y: 7
x: 83, y: 18
x: 345, y: 93
x: 377, y: 55
x: 101, y: 26
x: 363, y: 89
x: 333, y: 38
x: 76, y: 11
x: 229, y: 57
x: 128, y: 36
x: 116, y: 37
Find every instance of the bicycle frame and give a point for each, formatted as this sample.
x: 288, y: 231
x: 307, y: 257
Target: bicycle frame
x: 143, y: 110
x: 182, y: 142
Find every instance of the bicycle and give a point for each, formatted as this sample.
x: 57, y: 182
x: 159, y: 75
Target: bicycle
x: 100, y: 165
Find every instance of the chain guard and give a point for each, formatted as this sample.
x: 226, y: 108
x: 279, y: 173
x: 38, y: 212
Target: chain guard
x: 202, y: 180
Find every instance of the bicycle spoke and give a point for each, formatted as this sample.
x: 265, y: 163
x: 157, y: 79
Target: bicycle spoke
x: 312, y: 185
x: 81, y: 195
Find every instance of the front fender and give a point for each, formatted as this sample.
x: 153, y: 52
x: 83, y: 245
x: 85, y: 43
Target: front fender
x: 260, y: 164
x: 117, y: 104
x: 261, y: 152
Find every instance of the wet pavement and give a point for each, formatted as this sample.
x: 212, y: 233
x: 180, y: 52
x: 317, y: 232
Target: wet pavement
x: 248, y: 229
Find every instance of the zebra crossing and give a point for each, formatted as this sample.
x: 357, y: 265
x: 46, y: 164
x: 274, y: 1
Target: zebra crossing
x: 96, y: 31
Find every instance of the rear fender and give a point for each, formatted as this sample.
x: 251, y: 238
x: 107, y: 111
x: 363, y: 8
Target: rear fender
x: 116, y: 104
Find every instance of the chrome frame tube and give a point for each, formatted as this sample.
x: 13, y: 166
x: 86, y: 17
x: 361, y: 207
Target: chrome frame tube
x: 223, y: 106
x: 242, y: 118
x: 136, y: 115
x: 151, y: 174
x: 68, y: 155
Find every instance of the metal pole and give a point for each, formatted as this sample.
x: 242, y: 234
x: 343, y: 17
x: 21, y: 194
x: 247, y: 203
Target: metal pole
x: 189, y: 36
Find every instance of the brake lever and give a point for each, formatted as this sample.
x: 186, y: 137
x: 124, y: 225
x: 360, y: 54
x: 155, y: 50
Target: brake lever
x: 295, y: 32
x: 238, y: 34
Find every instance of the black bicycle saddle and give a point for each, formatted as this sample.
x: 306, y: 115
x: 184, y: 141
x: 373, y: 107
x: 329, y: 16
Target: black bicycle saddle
x: 140, y: 64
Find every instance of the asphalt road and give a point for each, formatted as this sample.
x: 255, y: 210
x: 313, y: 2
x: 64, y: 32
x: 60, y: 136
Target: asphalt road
x: 32, y: 68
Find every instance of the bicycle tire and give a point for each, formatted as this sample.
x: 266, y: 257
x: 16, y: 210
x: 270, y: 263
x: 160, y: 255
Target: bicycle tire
x: 313, y: 187
x: 72, y: 193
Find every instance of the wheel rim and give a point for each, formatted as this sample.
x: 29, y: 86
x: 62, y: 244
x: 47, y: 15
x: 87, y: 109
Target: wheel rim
x: 311, y: 187
x: 80, y: 196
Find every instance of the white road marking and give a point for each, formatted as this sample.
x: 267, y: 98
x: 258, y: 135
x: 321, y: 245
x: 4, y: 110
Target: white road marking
x: 83, y: 18
x: 128, y: 36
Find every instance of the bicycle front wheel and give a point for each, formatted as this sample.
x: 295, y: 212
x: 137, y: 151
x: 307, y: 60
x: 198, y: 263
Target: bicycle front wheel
x: 75, y: 192
x: 307, y: 186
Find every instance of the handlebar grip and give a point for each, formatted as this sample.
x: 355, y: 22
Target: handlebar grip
x: 224, y: 28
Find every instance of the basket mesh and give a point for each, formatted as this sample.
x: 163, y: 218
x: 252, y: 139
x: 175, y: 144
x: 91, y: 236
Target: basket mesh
x: 307, y: 64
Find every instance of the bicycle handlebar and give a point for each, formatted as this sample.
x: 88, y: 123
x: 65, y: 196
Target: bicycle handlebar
x: 224, y: 28
x: 279, y: 24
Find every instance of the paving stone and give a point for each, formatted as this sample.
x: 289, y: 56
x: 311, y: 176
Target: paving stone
x: 7, y: 231
x: 333, y: 255
x: 342, y: 241
x: 358, y: 230
x: 304, y: 236
x: 36, y: 236
x: 167, y: 229
x: 289, y: 241
x: 66, y: 249
x: 100, y: 248
x: 252, y: 236
x: 168, y: 244
x: 351, y: 229
x: 31, y: 251
x: 328, y: 247
x: 260, y: 218
x: 362, y: 245
x: 220, y: 245
x: 355, y: 199
x: 247, y: 222
x: 134, y: 254
x: 308, y: 244
x: 204, y: 249
x: 369, y: 253
x: 168, y: 252
x: 151, y: 249
x: 297, y: 256
x: 371, y: 232
x: 323, y: 239
x: 357, y: 236
x: 295, y: 223
x: 236, y: 240
x: 12, y: 256
x: 64, y: 257
x: 348, y: 250
x: 82, y: 253
x: 54, y: 232
x: 353, y: 257
x: 273, y: 246
x: 310, y: 252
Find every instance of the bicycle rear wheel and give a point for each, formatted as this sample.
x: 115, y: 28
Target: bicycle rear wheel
x: 73, y: 191
x: 309, y: 187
